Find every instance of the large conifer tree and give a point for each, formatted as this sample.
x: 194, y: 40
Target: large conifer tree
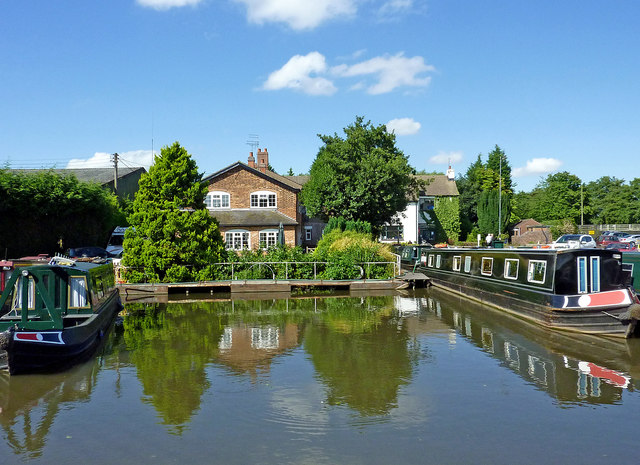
x: 173, y: 236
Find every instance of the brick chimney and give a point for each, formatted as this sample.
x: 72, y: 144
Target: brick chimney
x: 251, y: 161
x: 263, y: 160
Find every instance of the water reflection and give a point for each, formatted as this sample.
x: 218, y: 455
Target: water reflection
x: 313, y: 367
x: 572, y: 368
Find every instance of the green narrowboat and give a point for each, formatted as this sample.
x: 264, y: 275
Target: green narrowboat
x: 54, y: 315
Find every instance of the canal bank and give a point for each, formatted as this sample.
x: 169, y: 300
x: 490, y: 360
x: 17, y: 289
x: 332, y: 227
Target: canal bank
x: 243, y: 286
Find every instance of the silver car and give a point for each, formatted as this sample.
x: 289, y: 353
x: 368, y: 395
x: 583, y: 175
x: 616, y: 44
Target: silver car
x: 574, y: 241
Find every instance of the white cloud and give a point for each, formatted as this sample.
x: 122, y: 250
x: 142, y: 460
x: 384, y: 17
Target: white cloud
x: 444, y: 158
x: 391, y: 72
x: 537, y: 166
x: 304, y: 73
x: 132, y: 158
x: 166, y: 4
x: 403, y: 126
x: 298, y: 14
x: 297, y: 74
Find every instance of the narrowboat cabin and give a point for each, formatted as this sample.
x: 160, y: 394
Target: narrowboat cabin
x: 631, y: 265
x: 53, y: 315
x: 582, y: 290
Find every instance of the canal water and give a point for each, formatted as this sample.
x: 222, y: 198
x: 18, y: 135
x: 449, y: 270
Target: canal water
x: 413, y: 378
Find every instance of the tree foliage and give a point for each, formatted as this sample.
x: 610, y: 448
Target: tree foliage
x: 362, y: 176
x: 47, y: 212
x: 173, y: 236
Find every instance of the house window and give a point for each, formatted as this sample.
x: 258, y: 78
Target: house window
x: 268, y: 239
x: 308, y: 230
x: 392, y: 233
x: 215, y: 200
x: 537, y: 271
x: 467, y: 264
x: 237, y: 240
x: 511, y: 268
x: 457, y: 261
x: 487, y: 266
x: 263, y: 200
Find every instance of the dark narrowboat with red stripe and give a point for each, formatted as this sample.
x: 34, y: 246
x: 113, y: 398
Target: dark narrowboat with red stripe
x: 54, y: 315
x: 584, y: 290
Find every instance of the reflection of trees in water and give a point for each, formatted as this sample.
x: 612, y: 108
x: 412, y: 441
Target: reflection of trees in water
x: 170, y: 346
x: 361, y: 355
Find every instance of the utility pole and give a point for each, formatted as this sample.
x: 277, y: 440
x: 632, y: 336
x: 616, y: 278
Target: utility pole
x: 114, y: 159
x: 581, y: 205
x: 500, y: 203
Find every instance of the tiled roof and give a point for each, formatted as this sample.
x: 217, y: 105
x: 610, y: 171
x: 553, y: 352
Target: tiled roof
x: 99, y: 175
x: 284, y: 180
x: 439, y: 185
x: 248, y: 218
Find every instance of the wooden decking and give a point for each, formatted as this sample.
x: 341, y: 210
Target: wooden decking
x: 255, y: 286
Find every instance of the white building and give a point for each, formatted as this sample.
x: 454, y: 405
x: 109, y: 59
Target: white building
x: 416, y: 223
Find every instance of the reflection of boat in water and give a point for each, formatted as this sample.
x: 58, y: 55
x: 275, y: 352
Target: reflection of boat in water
x: 54, y: 315
x: 29, y: 404
x: 570, y: 367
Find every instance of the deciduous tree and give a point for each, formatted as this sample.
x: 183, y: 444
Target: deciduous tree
x: 362, y: 176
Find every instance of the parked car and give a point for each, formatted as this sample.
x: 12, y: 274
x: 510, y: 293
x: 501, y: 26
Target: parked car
x: 630, y: 238
x: 90, y: 251
x: 114, y: 246
x: 605, y: 240
x: 574, y: 241
x: 622, y: 246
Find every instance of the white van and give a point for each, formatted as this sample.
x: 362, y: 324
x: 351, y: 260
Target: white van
x: 114, y: 246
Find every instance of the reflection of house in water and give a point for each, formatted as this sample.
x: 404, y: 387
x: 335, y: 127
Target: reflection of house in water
x: 250, y: 349
x: 551, y: 360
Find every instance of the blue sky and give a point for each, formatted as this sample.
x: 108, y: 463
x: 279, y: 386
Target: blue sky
x: 554, y: 84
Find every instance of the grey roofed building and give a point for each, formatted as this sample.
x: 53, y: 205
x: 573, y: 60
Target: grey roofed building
x: 247, y: 218
x: 128, y: 178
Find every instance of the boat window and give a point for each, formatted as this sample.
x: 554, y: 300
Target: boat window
x: 77, y: 292
x: 582, y: 275
x: 17, y: 295
x: 457, y: 261
x: 511, y: 268
x: 467, y: 264
x: 487, y: 266
x: 431, y: 260
x: 537, y: 271
x: 595, y: 274
x: 438, y: 261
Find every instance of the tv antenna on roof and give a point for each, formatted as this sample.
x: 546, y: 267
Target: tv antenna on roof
x: 253, y: 142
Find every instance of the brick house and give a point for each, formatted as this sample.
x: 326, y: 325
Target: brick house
x: 251, y: 204
x: 529, y: 232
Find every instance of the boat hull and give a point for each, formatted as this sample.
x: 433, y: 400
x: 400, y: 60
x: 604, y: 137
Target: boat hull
x: 30, y: 351
x: 577, y: 290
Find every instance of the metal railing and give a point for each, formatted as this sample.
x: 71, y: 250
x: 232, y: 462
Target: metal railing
x: 364, y: 268
x: 626, y: 227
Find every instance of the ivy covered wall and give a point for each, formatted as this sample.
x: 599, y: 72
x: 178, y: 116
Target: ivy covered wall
x: 447, y: 210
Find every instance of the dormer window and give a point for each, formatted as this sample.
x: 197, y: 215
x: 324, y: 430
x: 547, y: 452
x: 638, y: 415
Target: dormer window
x: 216, y: 200
x: 263, y: 199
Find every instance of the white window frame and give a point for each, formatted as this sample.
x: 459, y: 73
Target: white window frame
x: 487, y: 259
x: 223, y: 200
x: 594, y: 264
x: 430, y: 261
x: 457, y: 262
x: 77, y: 294
x: 269, y: 237
x: 263, y: 199
x: 438, y: 261
x: 506, y: 267
x: 308, y: 233
x: 530, y: 266
x: 467, y: 264
x: 230, y: 239
x: 581, y: 268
